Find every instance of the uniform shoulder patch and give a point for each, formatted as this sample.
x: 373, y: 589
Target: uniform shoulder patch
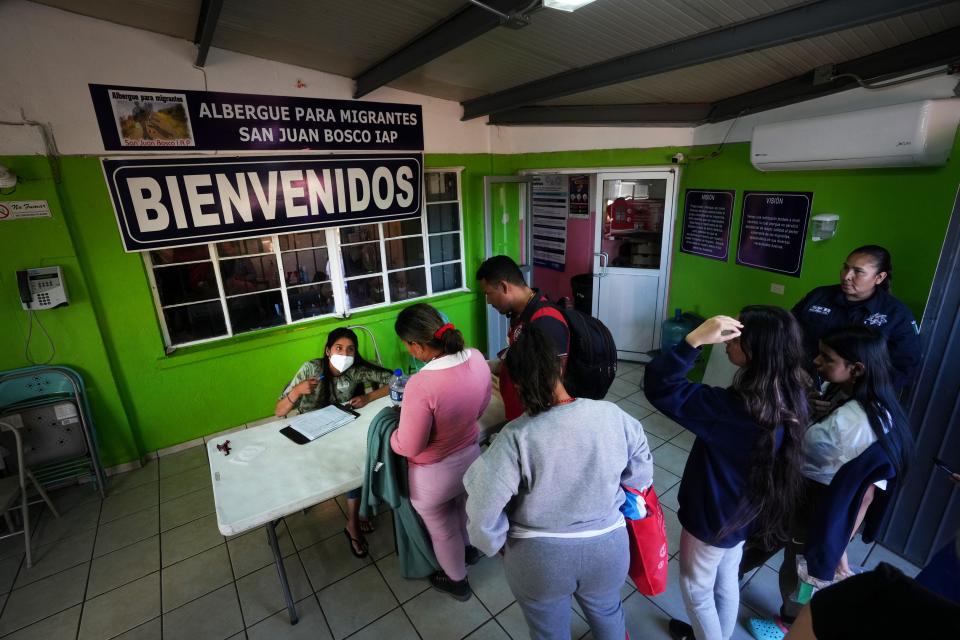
x: 876, y: 319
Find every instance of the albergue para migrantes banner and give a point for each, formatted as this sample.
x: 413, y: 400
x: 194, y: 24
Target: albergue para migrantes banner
x: 145, y: 119
x: 171, y: 202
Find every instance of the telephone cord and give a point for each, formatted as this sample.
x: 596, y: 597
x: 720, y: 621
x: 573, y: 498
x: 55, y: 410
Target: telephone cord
x: 26, y: 346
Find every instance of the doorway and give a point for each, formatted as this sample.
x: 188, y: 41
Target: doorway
x: 631, y: 224
x: 633, y: 239
x: 506, y: 218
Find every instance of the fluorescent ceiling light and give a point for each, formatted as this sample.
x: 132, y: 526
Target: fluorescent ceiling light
x: 565, y: 5
x: 8, y: 179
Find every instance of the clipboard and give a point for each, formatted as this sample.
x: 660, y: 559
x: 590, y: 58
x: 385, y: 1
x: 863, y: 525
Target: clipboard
x: 299, y: 437
x: 347, y: 409
x: 294, y: 435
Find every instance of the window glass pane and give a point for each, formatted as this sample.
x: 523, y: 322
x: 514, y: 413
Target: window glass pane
x: 244, y: 275
x: 186, y: 283
x: 180, y: 254
x: 404, y: 253
x: 364, y: 292
x: 404, y: 285
x: 195, y: 322
x: 310, y: 265
x: 443, y: 217
x: 310, y: 300
x: 409, y: 227
x: 362, y: 233
x: 245, y: 247
x: 446, y: 277
x: 445, y: 248
x: 441, y: 186
x: 360, y: 259
x: 255, y: 311
x: 303, y: 240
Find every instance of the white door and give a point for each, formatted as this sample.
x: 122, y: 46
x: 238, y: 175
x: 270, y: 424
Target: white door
x: 634, y: 235
x: 506, y: 215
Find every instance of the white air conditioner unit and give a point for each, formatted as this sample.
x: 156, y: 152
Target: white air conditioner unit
x: 916, y: 134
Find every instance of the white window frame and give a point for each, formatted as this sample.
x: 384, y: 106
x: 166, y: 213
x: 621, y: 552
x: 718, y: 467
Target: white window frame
x: 337, y: 278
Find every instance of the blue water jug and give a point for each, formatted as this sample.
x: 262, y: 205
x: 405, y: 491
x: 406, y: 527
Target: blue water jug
x: 674, y: 331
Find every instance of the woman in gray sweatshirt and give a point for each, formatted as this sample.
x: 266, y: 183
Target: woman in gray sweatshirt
x: 547, y: 495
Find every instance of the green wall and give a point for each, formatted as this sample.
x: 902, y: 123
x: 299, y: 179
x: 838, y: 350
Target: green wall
x: 144, y: 399
x: 904, y: 210
x: 79, y: 344
x: 206, y: 388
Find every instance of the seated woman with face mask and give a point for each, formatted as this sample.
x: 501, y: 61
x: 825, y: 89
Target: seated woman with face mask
x: 340, y: 377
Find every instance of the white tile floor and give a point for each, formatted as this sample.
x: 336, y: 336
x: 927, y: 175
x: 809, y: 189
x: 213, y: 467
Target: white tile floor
x: 148, y: 562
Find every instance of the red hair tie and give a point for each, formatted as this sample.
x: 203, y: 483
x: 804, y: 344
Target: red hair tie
x: 438, y: 334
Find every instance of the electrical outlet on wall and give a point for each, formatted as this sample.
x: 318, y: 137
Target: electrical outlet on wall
x: 776, y: 288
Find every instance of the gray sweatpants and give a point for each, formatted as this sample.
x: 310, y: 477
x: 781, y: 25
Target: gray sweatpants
x: 544, y: 572
x: 709, y: 586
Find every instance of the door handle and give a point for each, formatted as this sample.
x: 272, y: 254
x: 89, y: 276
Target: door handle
x: 600, y: 267
x: 604, y: 261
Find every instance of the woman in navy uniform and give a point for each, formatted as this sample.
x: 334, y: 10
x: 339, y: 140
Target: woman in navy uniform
x: 863, y: 298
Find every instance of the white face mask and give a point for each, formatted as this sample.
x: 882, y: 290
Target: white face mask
x: 341, y: 363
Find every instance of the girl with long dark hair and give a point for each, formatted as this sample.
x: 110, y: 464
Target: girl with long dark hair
x: 438, y: 433
x: 339, y: 377
x: 855, y: 364
x: 743, y: 471
x: 548, y: 494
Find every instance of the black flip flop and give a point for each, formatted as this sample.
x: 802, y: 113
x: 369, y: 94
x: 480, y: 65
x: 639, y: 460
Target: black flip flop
x: 361, y: 541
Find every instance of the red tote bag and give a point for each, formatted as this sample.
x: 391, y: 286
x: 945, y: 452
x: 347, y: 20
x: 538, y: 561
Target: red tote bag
x: 649, y: 556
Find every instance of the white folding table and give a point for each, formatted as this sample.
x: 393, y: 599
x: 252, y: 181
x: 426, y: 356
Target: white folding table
x: 267, y: 476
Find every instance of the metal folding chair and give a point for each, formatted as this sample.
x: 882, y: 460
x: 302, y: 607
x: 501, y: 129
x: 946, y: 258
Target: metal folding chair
x: 45, y: 385
x: 13, y: 487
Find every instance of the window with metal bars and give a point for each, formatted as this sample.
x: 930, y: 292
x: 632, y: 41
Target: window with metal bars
x: 221, y: 289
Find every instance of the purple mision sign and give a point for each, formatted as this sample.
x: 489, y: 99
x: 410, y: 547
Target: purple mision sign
x: 773, y: 230
x: 706, y: 223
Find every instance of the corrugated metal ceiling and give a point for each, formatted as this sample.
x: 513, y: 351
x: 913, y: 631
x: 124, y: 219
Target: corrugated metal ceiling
x: 334, y: 36
x: 732, y: 76
x: 346, y: 38
x: 557, y: 41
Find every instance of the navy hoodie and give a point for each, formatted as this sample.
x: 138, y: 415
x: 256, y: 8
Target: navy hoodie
x: 828, y: 532
x: 827, y: 308
x: 715, y: 478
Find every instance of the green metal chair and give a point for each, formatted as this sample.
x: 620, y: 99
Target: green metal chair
x: 32, y: 387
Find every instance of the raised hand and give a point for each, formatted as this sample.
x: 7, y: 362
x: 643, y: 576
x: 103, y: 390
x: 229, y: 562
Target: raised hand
x: 714, y: 331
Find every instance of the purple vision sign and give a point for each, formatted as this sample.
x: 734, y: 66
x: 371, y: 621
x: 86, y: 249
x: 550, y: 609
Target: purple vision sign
x: 144, y: 119
x: 773, y: 230
x: 706, y: 223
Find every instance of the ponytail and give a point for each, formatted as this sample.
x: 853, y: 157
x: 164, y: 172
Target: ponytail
x: 881, y: 260
x: 422, y: 323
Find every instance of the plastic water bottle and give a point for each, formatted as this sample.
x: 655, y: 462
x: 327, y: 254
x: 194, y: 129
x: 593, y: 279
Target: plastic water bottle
x: 674, y: 331
x: 397, y: 384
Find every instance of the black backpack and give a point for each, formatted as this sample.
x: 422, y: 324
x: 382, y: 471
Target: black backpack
x: 592, y: 359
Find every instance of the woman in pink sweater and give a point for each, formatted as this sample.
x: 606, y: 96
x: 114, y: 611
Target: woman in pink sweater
x: 438, y: 435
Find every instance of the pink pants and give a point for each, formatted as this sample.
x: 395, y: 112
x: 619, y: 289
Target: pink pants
x: 437, y: 493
